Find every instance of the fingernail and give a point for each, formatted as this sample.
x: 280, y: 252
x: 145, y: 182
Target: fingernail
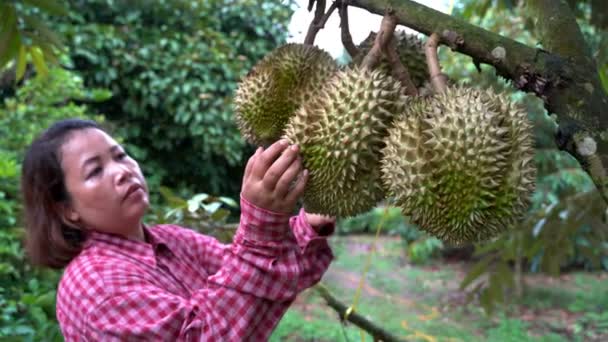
x: 258, y: 150
x: 306, y: 172
x: 284, y: 142
x: 294, y: 147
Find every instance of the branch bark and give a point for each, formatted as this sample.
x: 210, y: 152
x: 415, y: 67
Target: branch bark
x: 357, y: 319
x: 568, y: 84
x: 398, y: 70
x: 347, y: 39
x: 385, y: 34
x: 438, y: 79
x: 319, y: 20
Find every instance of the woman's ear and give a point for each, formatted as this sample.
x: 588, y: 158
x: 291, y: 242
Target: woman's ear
x: 68, y: 215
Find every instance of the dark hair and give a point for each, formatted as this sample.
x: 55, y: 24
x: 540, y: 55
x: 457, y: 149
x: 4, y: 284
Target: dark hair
x: 49, y: 241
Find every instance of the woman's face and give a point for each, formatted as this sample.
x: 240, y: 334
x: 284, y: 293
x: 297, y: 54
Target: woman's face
x: 108, y: 192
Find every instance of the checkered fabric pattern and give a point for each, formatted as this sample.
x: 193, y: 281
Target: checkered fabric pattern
x: 184, y: 286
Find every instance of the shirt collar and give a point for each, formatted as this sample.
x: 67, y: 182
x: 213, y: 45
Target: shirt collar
x: 143, y: 251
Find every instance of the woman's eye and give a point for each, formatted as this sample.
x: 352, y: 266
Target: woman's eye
x: 121, y: 155
x: 95, y: 172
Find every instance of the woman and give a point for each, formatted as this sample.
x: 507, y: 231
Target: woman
x: 84, y: 199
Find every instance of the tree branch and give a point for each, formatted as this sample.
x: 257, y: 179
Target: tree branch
x: 568, y: 87
x: 357, y: 319
x: 347, y: 39
x: 319, y: 20
x: 398, y: 70
x: 385, y: 34
x: 557, y: 28
x: 438, y: 79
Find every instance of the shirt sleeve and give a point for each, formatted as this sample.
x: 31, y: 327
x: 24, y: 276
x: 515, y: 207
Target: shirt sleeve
x: 272, y: 258
x: 269, y: 235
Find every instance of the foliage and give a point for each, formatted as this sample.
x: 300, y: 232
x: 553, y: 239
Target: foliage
x: 27, y: 295
x: 201, y: 212
x: 423, y: 249
x: 172, y: 67
x: 24, y: 33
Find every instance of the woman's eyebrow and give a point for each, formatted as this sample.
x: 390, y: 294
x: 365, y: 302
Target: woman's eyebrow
x: 96, y: 158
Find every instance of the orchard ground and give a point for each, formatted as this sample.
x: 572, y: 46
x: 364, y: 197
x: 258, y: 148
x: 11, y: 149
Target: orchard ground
x: 424, y: 302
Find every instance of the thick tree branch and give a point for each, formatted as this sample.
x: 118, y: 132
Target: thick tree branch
x: 347, y: 39
x: 557, y: 28
x: 357, y: 319
x: 569, y: 88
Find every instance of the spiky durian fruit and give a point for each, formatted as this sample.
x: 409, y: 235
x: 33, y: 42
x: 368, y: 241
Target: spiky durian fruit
x: 340, y: 133
x: 411, y: 53
x: 276, y: 86
x: 460, y: 163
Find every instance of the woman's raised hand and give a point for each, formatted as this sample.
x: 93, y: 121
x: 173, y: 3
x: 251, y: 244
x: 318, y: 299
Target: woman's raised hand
x: 269, y: 176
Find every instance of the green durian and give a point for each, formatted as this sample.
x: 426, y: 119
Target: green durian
x: 460, y: 163
x: 340, y: 133
x: 411, y: 53
x: 276, y: 86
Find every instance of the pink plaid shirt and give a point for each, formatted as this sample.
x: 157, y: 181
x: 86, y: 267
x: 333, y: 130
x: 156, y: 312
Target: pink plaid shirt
x: 185, y: 286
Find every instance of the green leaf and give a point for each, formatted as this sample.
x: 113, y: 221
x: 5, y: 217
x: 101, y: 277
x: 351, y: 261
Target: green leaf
x: 10, y: 39
x: 21, y: 62
x: 604, y: 76
x: 39, y: 63
x: 486, y: 301
x: 228, y: 201
x: 212, y: 207
x: 475, y: 272
x: 220, y: 215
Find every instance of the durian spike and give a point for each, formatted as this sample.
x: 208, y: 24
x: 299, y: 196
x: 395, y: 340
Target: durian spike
x: 438, y: 79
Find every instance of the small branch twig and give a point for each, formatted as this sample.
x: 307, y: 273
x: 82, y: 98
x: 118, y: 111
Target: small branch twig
x: 438, y: 79
x: 376, y: 332
x: 319, y: 21
x: 399, y: 71
x: 347, y: 39
x: 384, y: 36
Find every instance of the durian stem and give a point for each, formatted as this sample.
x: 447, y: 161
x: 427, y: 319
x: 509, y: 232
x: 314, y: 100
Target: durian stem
x: 398, y: 70
x: 357, y: 319
x: 438, y: 79
x: 347, y: 39
x: 319, y: 21
x: 384, y: 36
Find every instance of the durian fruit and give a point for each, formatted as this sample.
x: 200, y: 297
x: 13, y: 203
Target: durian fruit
x: 411, y: 53
x: 276, y: 86
x: 460, y: 164
x: 340, y: 133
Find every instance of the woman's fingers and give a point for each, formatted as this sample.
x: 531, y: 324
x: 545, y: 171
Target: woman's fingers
x: 265, y: 159
x: 286, y: 180
x: 297, y: 191
x: 251, y: 161
x: 279, y: 167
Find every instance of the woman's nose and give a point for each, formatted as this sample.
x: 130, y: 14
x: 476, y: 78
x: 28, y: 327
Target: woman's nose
x: 121, y: 173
